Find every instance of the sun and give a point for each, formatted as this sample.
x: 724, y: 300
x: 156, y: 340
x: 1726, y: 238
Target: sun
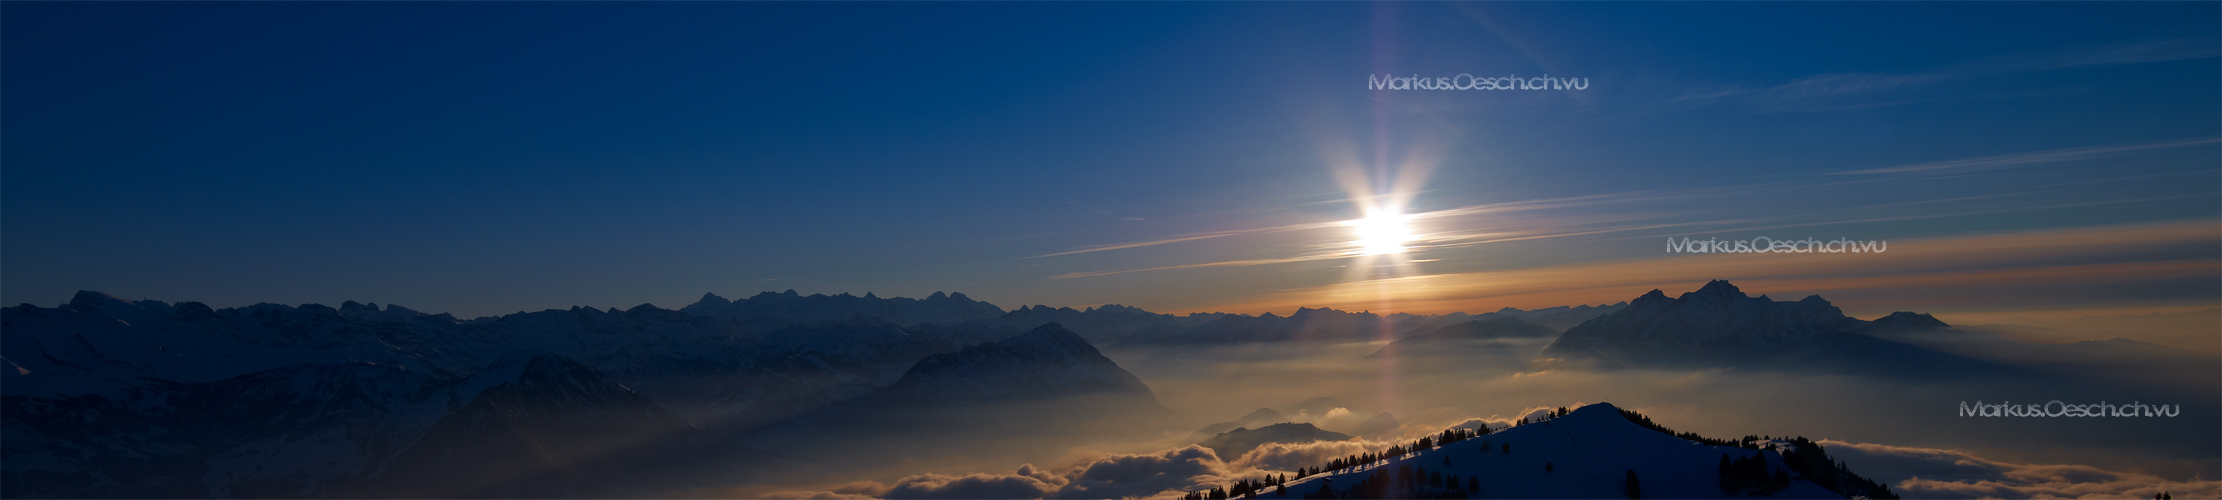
x: 1382, y: 233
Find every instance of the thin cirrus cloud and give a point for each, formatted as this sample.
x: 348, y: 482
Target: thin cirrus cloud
x: 2029, y: 158
x: 1655, y: 213
x: 1826, y: 92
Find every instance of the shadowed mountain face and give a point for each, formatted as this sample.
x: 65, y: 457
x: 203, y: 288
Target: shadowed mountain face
x: 1045, y: 363
x: 1046, y: 389
x: 298, y: 431
x: 543, y: 426
x: 309, y: 401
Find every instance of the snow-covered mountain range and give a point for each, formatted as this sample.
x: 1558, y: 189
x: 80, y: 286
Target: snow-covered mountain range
x: 105, y: 397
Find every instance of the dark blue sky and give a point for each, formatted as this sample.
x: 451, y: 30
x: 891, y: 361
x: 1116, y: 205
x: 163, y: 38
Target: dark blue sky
x: 484, y: 158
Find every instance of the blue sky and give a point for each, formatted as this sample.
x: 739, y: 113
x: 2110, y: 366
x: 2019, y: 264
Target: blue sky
x: 484, y: 158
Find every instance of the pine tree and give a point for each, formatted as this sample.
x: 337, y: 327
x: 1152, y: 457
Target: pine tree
x: 1546, y: 466
x: 1473, y: 485
x: 1726, y: 473
x: 1634, y: 488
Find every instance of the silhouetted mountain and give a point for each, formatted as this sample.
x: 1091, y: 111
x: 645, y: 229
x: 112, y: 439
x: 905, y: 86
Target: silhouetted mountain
x: 1048, y: 362
x: 1046, y: 386
x: 1719, y: 326
x: 1233, y: 444
x: 1903, y: 320
x: 1558, y: 318
x: 1306, y: 325
x: 1101, y: 325
x: 790, y: 308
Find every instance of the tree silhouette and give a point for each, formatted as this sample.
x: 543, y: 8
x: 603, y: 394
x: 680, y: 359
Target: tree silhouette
x: 1633, y: 487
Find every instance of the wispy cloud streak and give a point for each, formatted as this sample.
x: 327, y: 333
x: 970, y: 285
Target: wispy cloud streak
x: 2029, y: 158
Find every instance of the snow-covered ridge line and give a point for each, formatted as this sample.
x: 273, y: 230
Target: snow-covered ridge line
x: 1595, y: 451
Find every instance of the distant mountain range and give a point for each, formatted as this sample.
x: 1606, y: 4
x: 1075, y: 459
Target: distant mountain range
x: 273, y: 400
x: 105, y: 397
x: 1494, y: 341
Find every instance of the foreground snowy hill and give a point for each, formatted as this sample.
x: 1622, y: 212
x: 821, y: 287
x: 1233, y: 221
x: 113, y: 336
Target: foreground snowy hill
x: 1589, y: 452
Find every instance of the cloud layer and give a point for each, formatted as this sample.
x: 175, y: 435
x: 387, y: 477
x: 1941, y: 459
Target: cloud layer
x: 1941, y: 473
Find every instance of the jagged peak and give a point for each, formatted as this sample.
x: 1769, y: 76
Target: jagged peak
x: 1717, y: 288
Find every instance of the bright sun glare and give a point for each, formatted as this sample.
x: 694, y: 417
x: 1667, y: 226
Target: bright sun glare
x: 1382, y: 233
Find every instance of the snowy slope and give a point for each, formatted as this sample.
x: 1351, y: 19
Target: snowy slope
x: 1590, y: 451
